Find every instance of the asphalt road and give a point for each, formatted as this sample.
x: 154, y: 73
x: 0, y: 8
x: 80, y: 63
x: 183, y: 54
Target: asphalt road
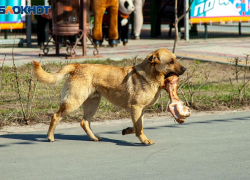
x: 207, y: 147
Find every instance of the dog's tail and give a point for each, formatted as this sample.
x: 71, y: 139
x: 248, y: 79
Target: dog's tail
x: 52, y: 78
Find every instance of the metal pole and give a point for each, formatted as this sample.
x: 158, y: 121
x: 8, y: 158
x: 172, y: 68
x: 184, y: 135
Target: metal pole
x: 84, y: 28
x: 186, y: 21
x: 45, y: 2
x: 57, y: 45
x: 205, y: 26
x: 240, y: 28
x: 5, y: 34
x: 28, y: 26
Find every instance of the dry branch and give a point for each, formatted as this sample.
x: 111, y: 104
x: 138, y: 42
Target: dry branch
x: 177, y: 21
x: 17, y: 83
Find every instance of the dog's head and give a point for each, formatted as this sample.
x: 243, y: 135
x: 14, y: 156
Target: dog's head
x: 165, y: 62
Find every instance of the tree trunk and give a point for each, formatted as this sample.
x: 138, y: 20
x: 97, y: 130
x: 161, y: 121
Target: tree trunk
x: 176, y: 27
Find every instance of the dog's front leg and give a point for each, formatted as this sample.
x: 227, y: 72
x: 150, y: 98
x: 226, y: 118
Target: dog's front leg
x: 137, y: 118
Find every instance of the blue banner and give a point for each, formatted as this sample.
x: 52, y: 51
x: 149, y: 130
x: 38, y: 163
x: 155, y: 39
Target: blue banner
x: 203, y: 11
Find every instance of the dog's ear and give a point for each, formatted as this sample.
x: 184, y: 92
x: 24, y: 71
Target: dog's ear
x: 154, y: 59
x: 150, y: 58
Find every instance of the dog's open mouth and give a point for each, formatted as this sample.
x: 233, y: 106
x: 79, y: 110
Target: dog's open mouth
x: 176, y: 106
x: 169, y: 75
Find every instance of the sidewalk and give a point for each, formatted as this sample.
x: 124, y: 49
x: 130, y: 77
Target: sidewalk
x: 217, y: 50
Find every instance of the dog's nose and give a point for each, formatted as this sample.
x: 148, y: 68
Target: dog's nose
x: 183, y: 69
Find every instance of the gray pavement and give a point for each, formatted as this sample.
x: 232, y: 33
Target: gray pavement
x: 204, y: 147
x: 216, y: 50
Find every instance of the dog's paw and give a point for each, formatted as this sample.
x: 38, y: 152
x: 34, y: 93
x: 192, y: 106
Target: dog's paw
x: 148, y: 142
x: 97, y: 138
x: 128, y: 130
x: 51, y: 139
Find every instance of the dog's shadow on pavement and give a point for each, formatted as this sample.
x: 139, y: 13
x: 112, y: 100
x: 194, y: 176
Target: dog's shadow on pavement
x: 35, y: 138
x: 30, y: 138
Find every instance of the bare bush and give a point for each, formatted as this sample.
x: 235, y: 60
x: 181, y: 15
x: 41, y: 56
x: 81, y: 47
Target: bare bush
x: 30, y: 90
x: 238, y: 85
x: 196, y: 77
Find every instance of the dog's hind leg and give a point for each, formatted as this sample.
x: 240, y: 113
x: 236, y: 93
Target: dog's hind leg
x: 73, y: 94
x: 128, y: 130
x: 90, y: 107
x: 64, y: 110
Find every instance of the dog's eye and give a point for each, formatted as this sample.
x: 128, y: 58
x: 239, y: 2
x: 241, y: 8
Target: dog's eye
x: 172, y: 62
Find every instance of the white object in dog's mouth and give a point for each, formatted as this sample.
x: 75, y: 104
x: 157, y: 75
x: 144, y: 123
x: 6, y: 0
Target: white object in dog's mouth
x: 176, y: 106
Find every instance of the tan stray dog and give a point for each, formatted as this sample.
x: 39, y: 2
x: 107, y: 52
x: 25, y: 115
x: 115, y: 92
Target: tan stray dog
x: 133, y: 88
